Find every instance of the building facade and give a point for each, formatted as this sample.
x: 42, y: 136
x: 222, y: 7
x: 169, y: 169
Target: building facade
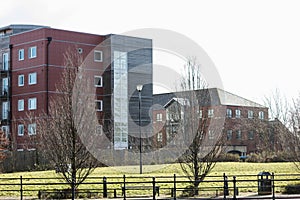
x: 32, y: 64
x: 240, y: 119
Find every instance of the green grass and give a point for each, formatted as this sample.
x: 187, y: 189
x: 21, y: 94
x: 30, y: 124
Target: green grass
x: 237, y: 169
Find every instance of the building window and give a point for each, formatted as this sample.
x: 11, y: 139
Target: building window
x: 98, y: 56
x: 120, y: 99
x: 238, y: 135
x: 200, y: 113
x: 31, y: 103
x: 250, y: 135
x: 99, y: 105
x: 210, y: 113
x: 5, y: 61
x: 20, y: 130
x: 98, y: 81
x: 159, y: 137
x: 210, y: 135
x: 5, y: 130
x: 32, y: 129
x: 159, y: 117
x: 32, y: 52
x: 21, y: 54
x: 21, y: 80
x: 250, y: 114
x: 229, y: 134
x: 32, y: 77
x: 20, y: 104
x: 229, y: 113
x: 99, y: 129
x: 261, y: 115
x: 238, y: 113
x: 5, y: 110
x: 4, y: 86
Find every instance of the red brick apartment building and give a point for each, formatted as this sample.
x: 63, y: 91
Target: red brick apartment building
x: 240, y: 116
x: 32, y: 61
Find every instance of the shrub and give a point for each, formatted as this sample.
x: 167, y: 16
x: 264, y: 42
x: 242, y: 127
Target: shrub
x: 228, y: 157
x: 269, y: 157
x: 65, y: 194
x: 188, y: 191
x: 292, y: 189
x: 253, y: 157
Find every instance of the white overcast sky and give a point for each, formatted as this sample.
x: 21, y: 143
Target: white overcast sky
x: 255, y: 44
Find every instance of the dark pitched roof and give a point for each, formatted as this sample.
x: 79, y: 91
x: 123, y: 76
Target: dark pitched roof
x: 17, y: 28
x: 214, y: 97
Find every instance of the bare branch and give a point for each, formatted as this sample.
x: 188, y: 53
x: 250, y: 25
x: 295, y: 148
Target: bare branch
x: 202, y: 135
x: 71, y: 118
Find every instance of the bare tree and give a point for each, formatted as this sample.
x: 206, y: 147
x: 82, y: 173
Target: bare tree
x: 278, y: 106
x: 294, y: 134
x: 70, y: 125
x: 274, y: 133
x: 201, y: 133
x: 4, y: 145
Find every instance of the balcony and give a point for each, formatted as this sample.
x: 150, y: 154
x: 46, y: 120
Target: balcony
x: 4, y: 67
x: 5, y: 117
x: 4, y: 94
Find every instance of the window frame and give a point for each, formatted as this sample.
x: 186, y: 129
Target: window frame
x: 229, y: 133
x: 21, y: 102
x: 20, y: 84
x: 30, y: 52
x: 250, y: 114
x: 229, y: 113
x: 210, y: 113
x: 159, y: 137
x: 5, y: 61
x: 99, y: 129
x: 29, y: 128
x: 6, y: 130
x: 211, y: 135
x: 19, y: 129
x: 5, y: 85
x: 99, y: 102
x: 159, y: 117
x: 30, y: 78
x: 21, y: 54
x: 34, y: 99
x: 200, y: 113
x: 250, y: 135
x: 5, y: 113
x: 238, y: 113
x: 261, y: 115
x: 96, y: 77
x: 238, y: 135
x: 101, y: 55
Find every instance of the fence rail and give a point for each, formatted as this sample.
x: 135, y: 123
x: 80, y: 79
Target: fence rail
x: 167, y: 187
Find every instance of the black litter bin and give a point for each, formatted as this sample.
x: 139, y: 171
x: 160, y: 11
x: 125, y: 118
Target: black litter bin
x: 264, y: 183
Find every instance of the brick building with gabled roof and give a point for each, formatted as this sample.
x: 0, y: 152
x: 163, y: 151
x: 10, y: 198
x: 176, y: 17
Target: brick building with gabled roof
x: 238, y: 113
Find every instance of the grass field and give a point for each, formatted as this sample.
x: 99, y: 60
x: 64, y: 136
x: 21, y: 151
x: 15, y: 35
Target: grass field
x: 238, y: 169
